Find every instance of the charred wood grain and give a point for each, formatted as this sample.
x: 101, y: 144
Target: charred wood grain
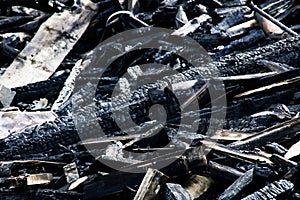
x: 278, y: 133
x: 223, y: 172
x: 237, y: 186
x: 8, y: 52
x: 272, y: 191
x: 176, y: 192
x: 48, y: 89
x: 13, y: 21
x: 7, y: 194
x: 39, y: 139
x: 40, y: 144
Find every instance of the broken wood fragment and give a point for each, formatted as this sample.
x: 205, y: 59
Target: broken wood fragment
x: 276, y: 133
x: 229, y: 135
x: 228, y: 150
x: 237, y: 186
x: 269, y: 17
x: 293, y: 151
x: 78, y: 182
x: 68, y: 88
x: 39, y: 179
x: 7, y: 167
x: 275, y: 66
x: 71, y: 172
x: 282, y: 161
x: 198, y: 185
x: 223, y: 171
x: 272, y: 190
x: 50, y: 45
x: 268, y: 26
x: 192, y: 25
x: 113, y: 183
x: 151, y: 185
x: 176, y: 192
x: 14, y: 122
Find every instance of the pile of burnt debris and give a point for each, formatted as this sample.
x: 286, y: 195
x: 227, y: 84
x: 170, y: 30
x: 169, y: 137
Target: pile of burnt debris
x: 235, y: 135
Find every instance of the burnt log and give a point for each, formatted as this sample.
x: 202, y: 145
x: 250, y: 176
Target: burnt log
x: 272, y: 191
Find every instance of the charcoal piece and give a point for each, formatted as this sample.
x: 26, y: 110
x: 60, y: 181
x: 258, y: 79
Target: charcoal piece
x: 40, y: 4
x: 68, y: 87
x: 243, y: 43
x: 275, y: 148
x: 39, y: 138
x: 227, y: 11
x: 192, y: 25
x: 9, y: 21
x: 282, y: 162
x: 32, y: 26
x: 232, y: 3
x: 223, y: 172
x: 7, y: 194
x: 272, y: 190
x: 48, y: 89
x: 71, y: 172
x: 280, y: 51
x: 293, y: 173
x: 113, y: 183
x: 176, y: 192
x: 190, y: 75
x: 207, y: 40
x: 274, y: 7
x: 165, y: 16
x: 237, y: 186
x: 8, y: 52
x: 238, y: 16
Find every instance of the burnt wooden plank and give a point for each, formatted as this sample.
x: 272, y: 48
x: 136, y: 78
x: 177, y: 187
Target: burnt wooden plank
x: 237, y: 185
x: 50, y: 45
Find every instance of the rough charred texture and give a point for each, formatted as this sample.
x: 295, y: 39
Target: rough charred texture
x: 48, y: 89
x: 40, y: 138
x: 224, y: 172
x: 275, y: 190
x: 102, y: 186
x: 276, y: 133
x: 7, y: 194
x: 176, y: 192
x: 30, y: 143
x: 237, y: 186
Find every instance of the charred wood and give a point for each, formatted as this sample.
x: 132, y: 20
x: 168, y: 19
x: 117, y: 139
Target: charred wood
x: 272, y: 191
